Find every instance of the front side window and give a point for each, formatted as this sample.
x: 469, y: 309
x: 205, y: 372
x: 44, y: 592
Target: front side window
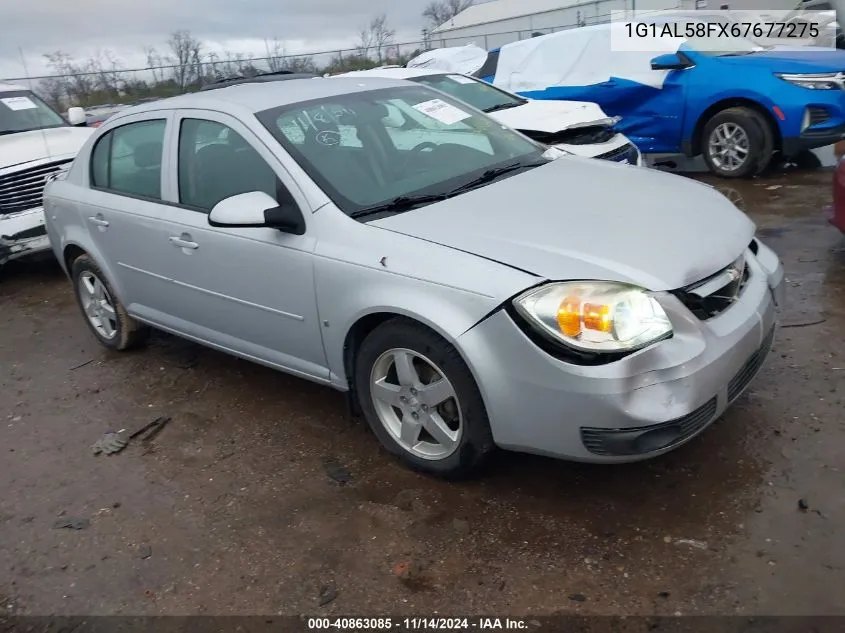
x: 479, y: 94
x: 22, y: 111
x: 216, y: 163
x: 127, y: 159
x: 368, y: 148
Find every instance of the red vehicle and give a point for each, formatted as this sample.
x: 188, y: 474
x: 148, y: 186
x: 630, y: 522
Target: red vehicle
x: 836, y: 214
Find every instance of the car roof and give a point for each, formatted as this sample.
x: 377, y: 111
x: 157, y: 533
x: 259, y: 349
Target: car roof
x: 280, y: 75
x: 11, y: 87
x: 257, y: 97
x: 397, y: 73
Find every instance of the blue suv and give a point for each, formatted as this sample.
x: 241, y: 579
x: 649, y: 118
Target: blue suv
x: 736, y: 106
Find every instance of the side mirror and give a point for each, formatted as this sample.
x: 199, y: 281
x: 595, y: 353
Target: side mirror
x: 669, y: 61
x: 76, y: 116
x: 257, y: 209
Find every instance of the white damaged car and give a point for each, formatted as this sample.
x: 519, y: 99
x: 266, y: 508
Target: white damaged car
x: 576, y: 127
x: 35, y: 143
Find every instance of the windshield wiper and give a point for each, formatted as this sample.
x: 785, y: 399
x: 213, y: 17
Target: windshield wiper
x: 492, y: 174
x: 402, y: 203
x: 502, y: 106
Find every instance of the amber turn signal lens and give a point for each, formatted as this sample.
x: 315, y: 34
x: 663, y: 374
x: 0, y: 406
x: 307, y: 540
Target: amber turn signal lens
x: 597, y: 317
x: 569, y: 316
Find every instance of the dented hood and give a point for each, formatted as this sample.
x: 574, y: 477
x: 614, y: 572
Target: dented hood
x: 579, y: 218
x: 58, y: 143
x: 552, y: 116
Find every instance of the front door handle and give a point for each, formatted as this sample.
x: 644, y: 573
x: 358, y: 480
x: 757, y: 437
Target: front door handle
x: 98, y: 220
x: 183, y: 241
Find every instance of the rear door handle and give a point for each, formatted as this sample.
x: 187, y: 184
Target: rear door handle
x: 97, y: 220
x: 181, y: 242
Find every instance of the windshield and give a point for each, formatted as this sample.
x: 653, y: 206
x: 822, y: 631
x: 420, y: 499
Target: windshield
x: 367, y: 149
x: 479, y: 94
x: 22, y: 111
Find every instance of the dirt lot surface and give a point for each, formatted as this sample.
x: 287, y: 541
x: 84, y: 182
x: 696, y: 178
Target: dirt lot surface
x: 232, y: 509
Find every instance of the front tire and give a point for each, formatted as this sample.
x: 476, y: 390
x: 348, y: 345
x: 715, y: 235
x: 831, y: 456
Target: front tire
x: 421, y: 401
x: 105, y: 315
x: 737, y: 143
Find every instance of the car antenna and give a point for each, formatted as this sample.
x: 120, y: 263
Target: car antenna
x: 37, y: 120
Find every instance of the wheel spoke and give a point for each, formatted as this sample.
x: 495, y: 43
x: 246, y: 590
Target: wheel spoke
x: 436, y: 393
x: 107, y: 327
x: 438, y: 429
x: 384, y: 391
x: 405, y: 371
x: 88, y: 285
x: 410, y: 431
x: 109, y: 310
x: 99, y: 293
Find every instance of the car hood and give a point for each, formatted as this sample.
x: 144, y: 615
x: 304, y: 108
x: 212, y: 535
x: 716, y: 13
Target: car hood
x: 790, y: 60
x: 551, y: 116
x: 59, y: 143
x: 562, y: 221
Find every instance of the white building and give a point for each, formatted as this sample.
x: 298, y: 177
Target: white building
x: 499, y: 22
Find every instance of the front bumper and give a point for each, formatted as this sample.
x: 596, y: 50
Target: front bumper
x: 22, y: 234
x: 639, y: 407
x: 811, y: 139
x: 618, y: 149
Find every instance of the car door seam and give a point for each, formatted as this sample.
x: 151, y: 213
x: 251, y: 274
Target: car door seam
x: 182, y: 284
x: 404, y: 275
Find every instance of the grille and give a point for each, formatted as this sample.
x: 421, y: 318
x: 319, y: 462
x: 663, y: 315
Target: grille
x: 628, y: 152
x: 739, y: 382
x: 577, y: 136
x: 715, y: 303
x: 817, y: 115
x: 647, y: 439
x: 23, y: 190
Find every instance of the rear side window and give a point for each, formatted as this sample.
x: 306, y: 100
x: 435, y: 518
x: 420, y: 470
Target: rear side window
x: 127, y: 160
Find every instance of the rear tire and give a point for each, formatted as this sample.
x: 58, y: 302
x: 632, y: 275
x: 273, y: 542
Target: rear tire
x: 105, y: 315
x: 421, y: 400
x: 737, y: 143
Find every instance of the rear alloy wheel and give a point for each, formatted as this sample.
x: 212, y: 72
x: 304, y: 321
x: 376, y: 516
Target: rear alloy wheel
x: 421, y: 401
x: 105, y: 315
x: 737, y: 143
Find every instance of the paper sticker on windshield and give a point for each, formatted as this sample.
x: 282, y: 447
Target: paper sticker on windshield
x: 442, y: 111
x: 461, y: 79
x: 19, y: 103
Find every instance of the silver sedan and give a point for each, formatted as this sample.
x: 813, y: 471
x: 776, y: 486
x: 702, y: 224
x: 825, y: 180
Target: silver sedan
x: 466, y: 286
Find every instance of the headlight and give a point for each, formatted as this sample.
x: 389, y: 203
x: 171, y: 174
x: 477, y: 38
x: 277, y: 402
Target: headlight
x: 595, y: 316
x: 821, y: 81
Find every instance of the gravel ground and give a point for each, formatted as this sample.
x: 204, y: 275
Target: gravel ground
x: 232, y: 509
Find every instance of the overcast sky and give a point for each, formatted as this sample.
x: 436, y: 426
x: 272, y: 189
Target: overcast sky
x: 80, y: 27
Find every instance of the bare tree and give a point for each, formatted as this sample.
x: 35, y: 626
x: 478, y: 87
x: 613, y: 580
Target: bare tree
x: 441, y: 11
x: 105, y: 70
x: 276, y: 54
x: 186, y: 58
x: 76, y: 82
x: 154, y: 63
x: 366, y: 42
x: 382, y: 35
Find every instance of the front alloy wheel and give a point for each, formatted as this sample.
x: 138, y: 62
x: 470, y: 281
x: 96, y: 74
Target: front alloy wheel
x: 737, y: 143
x: 421, y: 400
x: 416, y: 403
x: 729, y: 147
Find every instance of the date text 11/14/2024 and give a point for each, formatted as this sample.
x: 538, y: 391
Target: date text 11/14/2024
x: 418, y: 624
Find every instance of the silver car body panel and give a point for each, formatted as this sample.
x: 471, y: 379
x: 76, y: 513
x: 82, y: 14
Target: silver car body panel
x: 290, y: 301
